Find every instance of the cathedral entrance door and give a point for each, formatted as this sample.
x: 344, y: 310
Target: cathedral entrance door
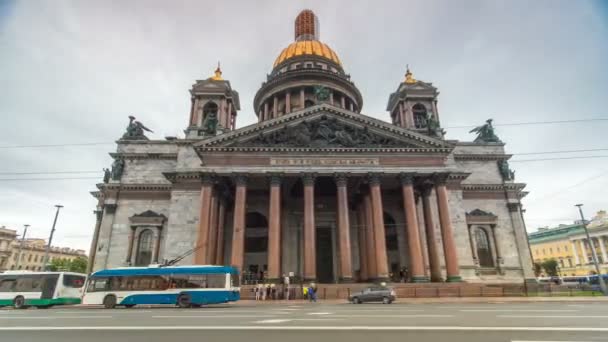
x: 325, y: 261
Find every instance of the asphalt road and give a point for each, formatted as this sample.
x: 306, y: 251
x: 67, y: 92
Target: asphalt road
x: 313, y: 322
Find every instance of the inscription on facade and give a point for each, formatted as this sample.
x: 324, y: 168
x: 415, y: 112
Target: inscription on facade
x: 324, y: 161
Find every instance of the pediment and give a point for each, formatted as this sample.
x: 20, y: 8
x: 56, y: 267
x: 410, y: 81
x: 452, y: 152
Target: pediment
x: 325, y: 127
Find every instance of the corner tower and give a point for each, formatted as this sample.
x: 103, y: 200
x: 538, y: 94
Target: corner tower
x: 414, y: 106
x: 306, y: 72
x: 214, y: 106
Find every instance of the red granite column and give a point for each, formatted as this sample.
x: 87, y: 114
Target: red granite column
x: 379, y: 233
x: 265, y: 115
x: 343, y: 102
x: 370, y: 240
x: 228, y: 116
x: 431, y: 237
x: 275, y: 107
x: 331, y: 98
x: 212, y: 229
x: 402, y: 115
x: 202, y: 242
x: 447, y: 234
x: 274, y: 229
x: 221, y: 220
x: 346, y: 269
x: 413, y: 235
x: 363, y: 258
x: 288, y: 102
x: 310, y: 250
x: 238, y: 235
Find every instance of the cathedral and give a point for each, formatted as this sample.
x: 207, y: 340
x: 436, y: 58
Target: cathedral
x: 315, y: 190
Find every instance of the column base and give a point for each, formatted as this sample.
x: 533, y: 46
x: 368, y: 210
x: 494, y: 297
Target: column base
x: 420, y: 279
x: 379, y: 280
x: 346, y: 280
x: 454, y: 279
x: 436, y: 279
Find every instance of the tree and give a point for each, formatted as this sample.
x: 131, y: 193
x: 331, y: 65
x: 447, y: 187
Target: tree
x: 537, y: 269
x: 79, y: 265
x: 550, y: 267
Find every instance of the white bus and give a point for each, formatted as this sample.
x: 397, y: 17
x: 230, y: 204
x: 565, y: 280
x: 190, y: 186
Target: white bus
x: 184, y: 286
x: 22, y: 289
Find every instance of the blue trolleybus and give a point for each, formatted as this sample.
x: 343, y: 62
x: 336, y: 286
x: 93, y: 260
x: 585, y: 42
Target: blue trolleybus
x: 184, y: 286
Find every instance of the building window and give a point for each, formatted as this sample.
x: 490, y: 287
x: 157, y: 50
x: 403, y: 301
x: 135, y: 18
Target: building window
x: 550, y: 250
x: 537, y: 252
x: 143, y: 257
x: 210, y: 108
x: 544, y: 251
x: 569, y: 262
x: 565, y: 248
x: 561, y: 263
x: 484, y: 252
x: 557, y: 249
x: 36, y: 258
x: 29, y: 258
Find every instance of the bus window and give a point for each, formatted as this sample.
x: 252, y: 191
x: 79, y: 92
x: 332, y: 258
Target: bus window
x: 30, y: 283
x: 216, y: 281
x: 7, y: 285
x: 98, y: 284
x: 74, y: 281
x: 234, y: 280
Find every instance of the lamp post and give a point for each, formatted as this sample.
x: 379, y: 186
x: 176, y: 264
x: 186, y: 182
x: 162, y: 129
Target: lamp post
x: 25, y: 226
x: 593, y: 253
x: 48, y: 246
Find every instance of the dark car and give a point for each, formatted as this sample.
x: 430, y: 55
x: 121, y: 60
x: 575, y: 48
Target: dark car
x: 373, y: 294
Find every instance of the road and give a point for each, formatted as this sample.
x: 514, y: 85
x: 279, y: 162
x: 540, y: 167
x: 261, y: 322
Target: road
x: 313, y: 322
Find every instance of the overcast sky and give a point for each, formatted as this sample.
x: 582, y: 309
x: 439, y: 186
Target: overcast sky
x: 72, y: 71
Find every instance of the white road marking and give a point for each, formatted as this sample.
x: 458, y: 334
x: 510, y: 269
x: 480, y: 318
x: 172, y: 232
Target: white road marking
x: 286, y: 309
x: 213, y: 316
x: 548, y: 316
x: 515, y: 310
x: 381, y: 310
x: 394, y: 316
x: 319, y: 313
x: 547, y: 341
x: 269, y: 321
x: 102, y: 312
x: 310, y: 328
x: 295, y: 306
x: 63, y: 317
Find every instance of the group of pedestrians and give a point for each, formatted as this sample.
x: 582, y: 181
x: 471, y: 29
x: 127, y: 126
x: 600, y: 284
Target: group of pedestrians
x: 310, y: 292
x: 265, y: 291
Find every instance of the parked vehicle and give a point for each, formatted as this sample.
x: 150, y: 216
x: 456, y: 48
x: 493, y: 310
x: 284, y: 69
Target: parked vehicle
x: 373, y: 294
x: 22, y: 289
x: 184, y: 286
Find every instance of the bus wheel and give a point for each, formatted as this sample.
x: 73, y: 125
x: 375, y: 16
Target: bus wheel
x: 19, y: 302
x: 183, y: 301
x: 128, y: 306
x: 109, y: 302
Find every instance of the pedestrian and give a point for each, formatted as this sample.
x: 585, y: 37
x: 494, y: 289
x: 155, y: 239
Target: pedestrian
x: 273, y: 292
x: 313, y: 292
x: 263, y: 290
x: 286, y: 284
x: 257, y: 292
x: 304, y: 292
x: 268, y: 295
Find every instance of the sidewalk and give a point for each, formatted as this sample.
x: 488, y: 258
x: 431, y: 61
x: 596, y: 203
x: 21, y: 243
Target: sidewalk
x: 442, y: 300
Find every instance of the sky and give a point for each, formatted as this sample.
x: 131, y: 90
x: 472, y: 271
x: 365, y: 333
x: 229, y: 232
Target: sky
x: 72, y: 71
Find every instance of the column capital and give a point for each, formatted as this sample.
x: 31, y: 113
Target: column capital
x: 341, y: 179
x: 240, y: 179
x: 309, y: 178
x: 440, y: 178
x: 275, y: 179
x: 513, y: 207
x: 406, y: 178
x: 207, y: 178
x: 373, y: 178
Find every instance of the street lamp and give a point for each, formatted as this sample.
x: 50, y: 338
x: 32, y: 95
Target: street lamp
x: 595, y: 263
x: 48, y: 246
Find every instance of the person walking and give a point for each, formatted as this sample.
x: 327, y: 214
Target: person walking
x: 257, y: 292
x: 286, y: 285
x: 263, y: 290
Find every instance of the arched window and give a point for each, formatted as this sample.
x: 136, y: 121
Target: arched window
x: 209, y: 108
x: 484, y: 251
x: 143, y: 257
x: 419, y: 115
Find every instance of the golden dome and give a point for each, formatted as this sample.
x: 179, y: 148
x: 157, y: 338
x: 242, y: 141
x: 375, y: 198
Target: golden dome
x: 307, y: 47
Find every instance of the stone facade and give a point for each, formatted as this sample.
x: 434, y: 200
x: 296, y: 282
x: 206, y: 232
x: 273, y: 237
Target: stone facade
x: 32, y: 254
x: 316, y: 189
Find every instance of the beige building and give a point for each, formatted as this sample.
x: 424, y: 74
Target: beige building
x: 7, y: 236
x: 32, y: 254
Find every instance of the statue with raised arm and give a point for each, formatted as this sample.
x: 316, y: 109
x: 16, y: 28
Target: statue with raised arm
x: 485, y: 133
x: 505, y: 171
x: 135, y: 130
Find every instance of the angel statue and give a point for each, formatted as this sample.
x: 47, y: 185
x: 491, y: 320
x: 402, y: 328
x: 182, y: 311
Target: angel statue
x: 321, y: 93
x: 485, y: 133
x: 135, y: 130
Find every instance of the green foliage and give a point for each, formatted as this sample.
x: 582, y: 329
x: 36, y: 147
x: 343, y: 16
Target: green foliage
x: 550, y: 267
x: 79, y: 265
x: 538, y: 269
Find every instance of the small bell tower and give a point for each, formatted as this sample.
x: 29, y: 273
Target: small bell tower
x: 414, y: 106
x: 214, y: 107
